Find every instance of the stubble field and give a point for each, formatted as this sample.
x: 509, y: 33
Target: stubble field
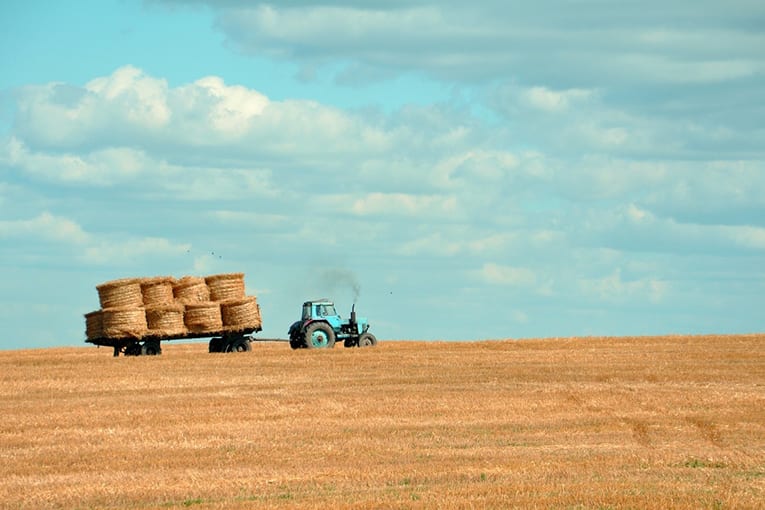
x: 659, y: 422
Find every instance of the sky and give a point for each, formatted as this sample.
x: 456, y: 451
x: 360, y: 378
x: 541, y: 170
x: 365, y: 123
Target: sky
x: 463, y: 171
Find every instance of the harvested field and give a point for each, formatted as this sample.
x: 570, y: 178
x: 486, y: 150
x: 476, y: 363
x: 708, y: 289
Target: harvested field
x: 660, y: 422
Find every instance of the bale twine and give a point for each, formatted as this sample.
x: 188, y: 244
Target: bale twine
x: 239, y: 314
x: 191, y: 289
x: 166, y: 320
x: 224, y: 287
x: 157, y: 291
x: 94, y: 325
x: 122, y: 293
x: 124, y: 322
x: 203, y: 317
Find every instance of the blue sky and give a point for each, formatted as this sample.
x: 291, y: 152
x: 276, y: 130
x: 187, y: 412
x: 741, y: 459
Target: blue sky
x: 480, y: 170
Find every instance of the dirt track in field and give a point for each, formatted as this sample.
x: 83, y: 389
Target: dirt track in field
x: 660, y: 422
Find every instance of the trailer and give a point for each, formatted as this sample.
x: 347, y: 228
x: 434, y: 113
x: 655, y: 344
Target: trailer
x: 138, y: 314
x: 151, y: 344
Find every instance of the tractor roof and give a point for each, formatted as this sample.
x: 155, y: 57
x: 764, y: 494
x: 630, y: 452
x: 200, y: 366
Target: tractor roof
x: 323, y: 301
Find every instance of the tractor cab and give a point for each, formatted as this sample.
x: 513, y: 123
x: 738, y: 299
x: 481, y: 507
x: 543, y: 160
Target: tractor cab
x: 313, y: 310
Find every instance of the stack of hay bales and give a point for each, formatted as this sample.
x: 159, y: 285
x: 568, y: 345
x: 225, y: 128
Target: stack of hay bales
x: 122, y: 312
x: 238, y: 311
x: 163, y: 306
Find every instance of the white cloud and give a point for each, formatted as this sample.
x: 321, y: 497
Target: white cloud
x: 122, y: 251
x: 249, y: 219
x: 511, y: 276
x: 519, y: 316
x: 632, y: 227
x: 119, y: 166
x: 141, y: 98
x: 99, y: 168
x: 555, y: 101
x: 86, y: 246
x: 432, y: 244
x: 234, y: 106
x: 402, y: 204
x: 614, y: 287
x: 47, y: 227
x: 744, y: 236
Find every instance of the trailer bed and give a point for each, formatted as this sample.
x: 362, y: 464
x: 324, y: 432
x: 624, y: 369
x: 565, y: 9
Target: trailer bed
x: 222, y: 340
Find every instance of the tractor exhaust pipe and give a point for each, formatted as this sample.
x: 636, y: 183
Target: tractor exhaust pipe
x: 353, y: 316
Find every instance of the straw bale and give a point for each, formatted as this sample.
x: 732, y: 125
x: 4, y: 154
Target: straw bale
x: 122, y: 293
x: 204, y: 317
x: 157, y: 291
x: 166, y: 320
x: 191, y: 289
x: 224, y: 287
x: 124, y: 322
x: 239, y: 314
x: 94, y: 325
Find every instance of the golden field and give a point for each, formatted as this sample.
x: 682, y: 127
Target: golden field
x: 647, y: 422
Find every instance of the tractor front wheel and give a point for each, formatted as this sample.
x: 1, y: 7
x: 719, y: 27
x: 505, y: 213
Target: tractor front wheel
x: 319, y: 335
x: 367, y: 340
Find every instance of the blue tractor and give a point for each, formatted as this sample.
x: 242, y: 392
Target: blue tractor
x: 321, y: 326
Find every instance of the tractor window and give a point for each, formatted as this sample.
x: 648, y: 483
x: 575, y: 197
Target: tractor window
x: 306, y: 312
x: 326, y: 310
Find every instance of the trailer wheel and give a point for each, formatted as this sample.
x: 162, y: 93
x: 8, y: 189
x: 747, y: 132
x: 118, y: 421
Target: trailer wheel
x: 239, y: 345
x: 367, y: 340
x: 133, y: 349
x: 151, y: 348
x: 319, y: 335
x: 216, y: 345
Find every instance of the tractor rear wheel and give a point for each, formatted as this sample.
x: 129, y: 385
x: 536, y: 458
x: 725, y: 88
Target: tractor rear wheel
x: 367, y: 340
x: 319, y: 335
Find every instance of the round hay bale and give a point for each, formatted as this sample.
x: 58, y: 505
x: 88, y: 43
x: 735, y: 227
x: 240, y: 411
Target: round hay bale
x: 239, y: 314
x: 191, y: 289
x: 124, y: 322
x: 224, y: 287
x: 94, y: 325
x: 157, y: 291
x: 122, y: 293
x: 203, y: 317
x: 166, y: 320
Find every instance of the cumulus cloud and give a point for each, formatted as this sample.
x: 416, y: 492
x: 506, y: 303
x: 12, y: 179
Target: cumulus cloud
x: 552, y: 100
x: 400, y: 204
x: 512, y: 276
x: 87, y: 247
x: 130, y: 250
x: 614, y: 287
x: 632, y: 227
x: 47, y: 227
